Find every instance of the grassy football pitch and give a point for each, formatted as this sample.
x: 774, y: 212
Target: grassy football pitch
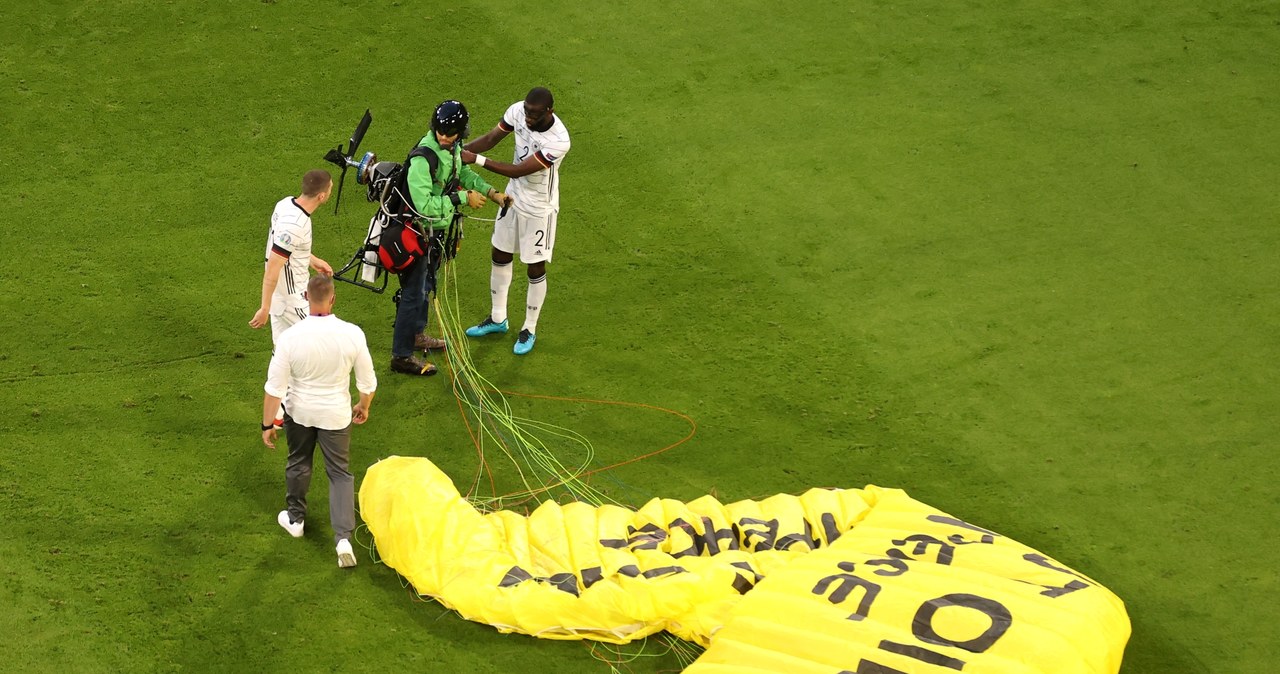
x: 1018, y: 259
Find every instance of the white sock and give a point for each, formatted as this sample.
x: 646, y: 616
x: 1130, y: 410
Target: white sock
x: 499, y: 282
x: 537, y: 295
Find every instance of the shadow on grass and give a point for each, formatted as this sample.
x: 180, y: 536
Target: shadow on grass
x: 1152, y: 649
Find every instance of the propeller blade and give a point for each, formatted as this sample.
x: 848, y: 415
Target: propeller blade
x: 341, y: 181
x: 358, y: 134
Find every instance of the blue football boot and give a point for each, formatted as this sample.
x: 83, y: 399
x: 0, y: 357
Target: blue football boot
x: 487, y: 327
x: 524, y: 343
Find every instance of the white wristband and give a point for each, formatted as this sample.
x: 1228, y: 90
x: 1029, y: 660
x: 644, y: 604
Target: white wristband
x: 480, y: 160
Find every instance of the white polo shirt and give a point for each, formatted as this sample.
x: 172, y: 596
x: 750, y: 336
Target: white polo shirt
x: 311, y: 371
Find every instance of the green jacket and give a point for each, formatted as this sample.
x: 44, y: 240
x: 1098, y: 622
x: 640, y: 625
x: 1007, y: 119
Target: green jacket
x: 427, y: 191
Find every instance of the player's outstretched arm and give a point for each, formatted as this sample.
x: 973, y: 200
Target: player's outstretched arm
x: 486, y: 142
x: 532, y: 164
x: 270, y: 277
x: 321, y: 267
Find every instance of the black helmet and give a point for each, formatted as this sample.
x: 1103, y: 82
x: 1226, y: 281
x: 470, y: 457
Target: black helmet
x: 450, y: 118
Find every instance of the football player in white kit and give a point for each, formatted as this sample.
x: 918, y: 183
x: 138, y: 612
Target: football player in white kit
x: 530, y: 224
x: 288, y: 256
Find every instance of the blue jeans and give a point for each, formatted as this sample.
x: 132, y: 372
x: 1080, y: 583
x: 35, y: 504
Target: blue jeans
x: 411, y: 314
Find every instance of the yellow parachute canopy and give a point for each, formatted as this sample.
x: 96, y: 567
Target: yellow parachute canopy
x: 866, y: 581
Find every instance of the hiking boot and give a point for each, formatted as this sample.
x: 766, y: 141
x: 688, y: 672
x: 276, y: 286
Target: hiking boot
x: 524, y: 343
x: 487, y: 327
x: 425, y: 342
x: 412, y: 365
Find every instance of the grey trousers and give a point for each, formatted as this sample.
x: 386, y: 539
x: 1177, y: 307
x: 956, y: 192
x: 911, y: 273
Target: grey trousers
x: 336, y: 448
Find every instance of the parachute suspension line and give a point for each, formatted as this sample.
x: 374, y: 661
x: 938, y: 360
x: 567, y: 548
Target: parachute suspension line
x: 464, y: 378
x: 519, y: 438
x: 693, y: 425
x: 526, y: 443
x: 686, y: 652
x: 620, y: 657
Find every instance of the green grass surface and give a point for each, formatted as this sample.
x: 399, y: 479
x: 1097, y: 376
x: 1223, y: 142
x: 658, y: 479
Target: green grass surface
x: 1018, y: 259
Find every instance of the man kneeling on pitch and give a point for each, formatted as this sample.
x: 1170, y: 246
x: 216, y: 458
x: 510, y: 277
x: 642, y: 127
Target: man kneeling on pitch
x: 311, y: 370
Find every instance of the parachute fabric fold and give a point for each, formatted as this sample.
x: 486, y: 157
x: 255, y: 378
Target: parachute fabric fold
x: 837, y: 581
x: 912, y: 589
x: 580, y: 572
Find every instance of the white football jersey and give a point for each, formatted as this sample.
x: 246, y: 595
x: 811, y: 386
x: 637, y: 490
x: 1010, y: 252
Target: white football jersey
x: 290, y: 237
x: 539, y: 192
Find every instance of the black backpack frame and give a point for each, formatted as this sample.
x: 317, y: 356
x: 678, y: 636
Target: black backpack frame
x: 388, y: 185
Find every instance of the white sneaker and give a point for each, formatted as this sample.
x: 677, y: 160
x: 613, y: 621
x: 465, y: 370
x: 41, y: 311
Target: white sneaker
x: 294, y: 528
x: 346, y: 558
